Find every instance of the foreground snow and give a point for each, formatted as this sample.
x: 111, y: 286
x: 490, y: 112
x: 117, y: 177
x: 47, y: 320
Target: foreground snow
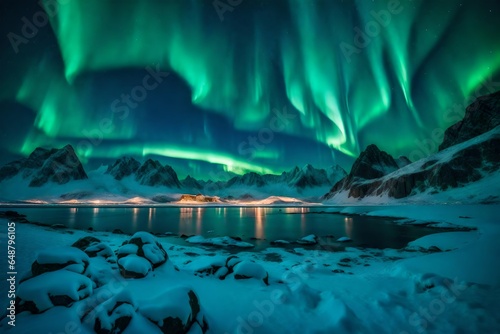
x: 415, y: 290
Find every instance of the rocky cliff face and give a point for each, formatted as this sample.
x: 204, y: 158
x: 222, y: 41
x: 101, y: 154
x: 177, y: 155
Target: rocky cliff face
x: 470, y: 150
x: 480, y: 117
x: 42, y: 166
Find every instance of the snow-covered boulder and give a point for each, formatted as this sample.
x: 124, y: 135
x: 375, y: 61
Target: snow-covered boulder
x: 176, y: 311
x: 127, y: 249
x: 233, y: 266
x: 248, y: 269
x: 52, y: 259
x: 219, y: 241
x: 114, y: 315
x: 149, y: 248
x: 344, y: 239
x: 139, y: 255
x: 93, y: 247
x: 133, y: 266
x: 84, y: 242
x: 231, y: 261
x: 210, y: 266
x: 56, y: 288
x: 280, y: 242
x: 308, y: 240
x: 100, y: 249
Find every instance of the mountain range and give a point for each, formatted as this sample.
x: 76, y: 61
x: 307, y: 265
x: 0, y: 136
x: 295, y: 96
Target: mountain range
x: 60, y: 166
x: 469, y: 153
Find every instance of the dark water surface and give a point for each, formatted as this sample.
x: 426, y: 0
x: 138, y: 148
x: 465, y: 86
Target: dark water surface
x: 264, y: 223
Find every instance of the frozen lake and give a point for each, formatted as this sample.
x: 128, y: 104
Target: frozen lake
x: 257, y: 225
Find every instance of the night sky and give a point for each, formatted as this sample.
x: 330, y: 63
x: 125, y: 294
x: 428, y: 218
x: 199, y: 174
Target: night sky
x: 241, y: 85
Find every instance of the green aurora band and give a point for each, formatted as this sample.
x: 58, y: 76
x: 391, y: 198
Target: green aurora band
x: 393, y: 91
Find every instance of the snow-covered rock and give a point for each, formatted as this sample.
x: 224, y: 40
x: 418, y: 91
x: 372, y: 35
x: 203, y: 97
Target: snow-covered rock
x: 113, y: 315
x: 139, y: 255
x: 176, y: 311
x: 52, y: 259
x: 219, y: 241
x: 146, y: 246
x: 280, y: 242
x: 93, y: 247
x: 133, y: 266
x: 248, y: 269
x: 344, y: 239
x: 56, y: 288
x: 308, y: 240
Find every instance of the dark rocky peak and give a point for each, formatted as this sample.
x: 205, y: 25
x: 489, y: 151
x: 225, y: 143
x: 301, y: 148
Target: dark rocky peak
x: 481, y: 116
x: 149, y: 165
x: 248, y: 179
x: 191, y: 183
x: 308, y: 176
x: 41, y: 153
x: 61, y: 166
x: 373, y: 163
x: 123, y: 167
x: 152, y: 173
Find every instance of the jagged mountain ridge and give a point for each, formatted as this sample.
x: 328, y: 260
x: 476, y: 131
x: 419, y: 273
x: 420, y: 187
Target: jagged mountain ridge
x: 470, y: 150
x: 299, y: 178
x: 43, y: 165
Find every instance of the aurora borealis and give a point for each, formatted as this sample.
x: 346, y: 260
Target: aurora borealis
x: 271, y: 85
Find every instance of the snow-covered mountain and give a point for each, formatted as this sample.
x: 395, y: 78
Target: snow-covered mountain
x: 153, y: 173
x: 307, y: 176
x: 127, y: 179
x: 470, y: 152
x: 43, y: 165
x: 150, y: 173
x: 123, y: 167
x: 190, y: 183
x: 297, y: 178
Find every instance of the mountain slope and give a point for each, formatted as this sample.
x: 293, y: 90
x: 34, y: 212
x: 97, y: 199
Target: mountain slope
x: 480, y: 117
x: 472, y: 157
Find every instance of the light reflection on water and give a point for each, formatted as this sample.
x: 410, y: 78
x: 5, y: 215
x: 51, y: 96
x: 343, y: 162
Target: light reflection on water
x: 270, y: 223
x: 348, y: 226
